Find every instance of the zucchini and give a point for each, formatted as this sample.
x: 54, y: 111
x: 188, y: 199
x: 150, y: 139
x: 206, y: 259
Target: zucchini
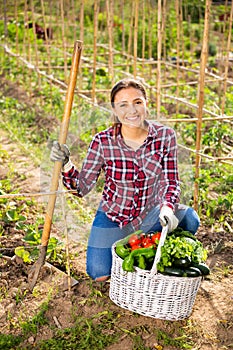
x: 182, y: 262
x: 205, y: 270
x: 172, y: 271
x: 192, y: 272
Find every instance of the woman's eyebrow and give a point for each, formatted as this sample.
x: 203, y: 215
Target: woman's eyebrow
x: 135, y: 99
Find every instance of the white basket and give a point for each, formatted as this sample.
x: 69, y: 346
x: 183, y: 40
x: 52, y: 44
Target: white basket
x: 150, y: 293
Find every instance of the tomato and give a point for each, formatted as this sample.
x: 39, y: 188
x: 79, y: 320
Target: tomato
x: 136, y: 246
x: 156, y: 237
x: 146, y: 241
x: 148, y: 245
x: 134, y: 240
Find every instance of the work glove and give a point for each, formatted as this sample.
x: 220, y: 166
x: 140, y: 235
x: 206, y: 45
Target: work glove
x: 167, y: 217
x: 60, y: 153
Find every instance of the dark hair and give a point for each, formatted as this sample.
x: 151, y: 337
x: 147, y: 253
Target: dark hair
x: 124, y: 84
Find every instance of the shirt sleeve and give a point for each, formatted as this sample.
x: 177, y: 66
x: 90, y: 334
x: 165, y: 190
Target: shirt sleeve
x: 169, y: 191
x: 83, y: 181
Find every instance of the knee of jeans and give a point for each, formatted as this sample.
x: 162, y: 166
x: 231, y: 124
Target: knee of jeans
x: 191, y: 221
x: 97, y: 274
x: 99, y: 262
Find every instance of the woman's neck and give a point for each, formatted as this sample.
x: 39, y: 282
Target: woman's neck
x: 134, y: 137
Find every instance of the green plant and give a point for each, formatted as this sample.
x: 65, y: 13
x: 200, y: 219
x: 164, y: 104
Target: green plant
x: 33, y: 324
x: 86, y: 333
x: 9, y: 341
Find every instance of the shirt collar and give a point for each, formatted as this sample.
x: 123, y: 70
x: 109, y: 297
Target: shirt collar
x: 152, y: 131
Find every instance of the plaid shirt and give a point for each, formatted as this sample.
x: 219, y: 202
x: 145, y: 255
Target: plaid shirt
x: 135, y: 181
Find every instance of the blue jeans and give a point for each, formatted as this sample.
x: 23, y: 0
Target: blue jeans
x: 104, y: 233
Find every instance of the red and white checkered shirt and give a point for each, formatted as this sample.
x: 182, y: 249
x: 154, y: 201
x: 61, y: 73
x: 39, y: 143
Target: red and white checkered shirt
x: 135, y: 181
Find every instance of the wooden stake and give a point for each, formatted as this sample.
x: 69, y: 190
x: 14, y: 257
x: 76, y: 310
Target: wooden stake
x: 109, y: 9
x: 130, y: 36
x: 204, y: 56
x: 123, y: 26
x: 96, y: 11
x: 227, y: 60
x: 177, y: 52
x: 64, y: 40
x: 135, y: 45
x: 46, y: 37
x: 159, y: 47
x: 81, y: 20
x: 35, y: 45
x: 143, y: 36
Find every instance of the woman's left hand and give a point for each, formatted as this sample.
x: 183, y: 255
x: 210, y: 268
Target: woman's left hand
x: 167, y: 217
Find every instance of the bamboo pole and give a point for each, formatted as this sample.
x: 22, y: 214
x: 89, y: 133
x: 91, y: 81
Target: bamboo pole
x: 204, y: 56
x: 159, y: 47
x: 81, y: 20
x: 27, y: 37
x: 150, y: 38
x: 227, y: 61
x: 64, y: 40
x: 135, y: 45
x: 220, y: 53
x: 73, y: 21
x: 177, y: 52
x: 165, y: 10
x: 96, y: 10
x: 109, y: 9
x: 47, y: 39
x: 130, y: 35
x: 143, y: 36
x: 81, y: 26
x: 35, y: 45
x: 182, y: 35
x: 17, y: 30
x: 123, y: 25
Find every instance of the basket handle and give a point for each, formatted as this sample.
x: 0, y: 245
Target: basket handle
x: 158, y: 251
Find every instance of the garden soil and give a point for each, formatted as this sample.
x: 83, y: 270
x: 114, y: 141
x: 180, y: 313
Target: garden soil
x: 210, y: 325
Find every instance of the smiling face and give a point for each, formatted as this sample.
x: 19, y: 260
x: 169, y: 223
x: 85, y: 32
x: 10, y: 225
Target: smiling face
x: 130, y: 106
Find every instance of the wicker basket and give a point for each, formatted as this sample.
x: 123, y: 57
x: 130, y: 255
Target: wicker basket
x: 150, y: 293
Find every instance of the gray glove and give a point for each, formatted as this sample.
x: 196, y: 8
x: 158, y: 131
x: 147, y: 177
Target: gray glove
x: 60, y: 153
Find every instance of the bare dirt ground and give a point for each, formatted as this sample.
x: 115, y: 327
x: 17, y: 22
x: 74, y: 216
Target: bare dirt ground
x: 210, y: 324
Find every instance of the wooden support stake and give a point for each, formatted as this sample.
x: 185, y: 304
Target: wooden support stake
x: 109, y: 9
x: 143, y: 36
x: 159, y: 48
x: 64, y: 41
x: 135, y: 44
x: 177, y: 52
x: 204, y: 56
x: 227, y: 60
x: 96, y: 11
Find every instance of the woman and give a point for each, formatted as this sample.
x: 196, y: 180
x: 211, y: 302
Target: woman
x: 141, y: 191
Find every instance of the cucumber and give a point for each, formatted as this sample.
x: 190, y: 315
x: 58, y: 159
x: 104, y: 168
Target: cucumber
x: 172, y: 271
x: 205, y: 270
x: 192, y: 272
x: 182, y: 262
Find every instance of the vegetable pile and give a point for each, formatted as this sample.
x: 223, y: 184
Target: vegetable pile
x: 182, y: 254
x: 138, y: 249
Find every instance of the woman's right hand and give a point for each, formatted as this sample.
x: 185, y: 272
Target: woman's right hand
x: 59, y: 153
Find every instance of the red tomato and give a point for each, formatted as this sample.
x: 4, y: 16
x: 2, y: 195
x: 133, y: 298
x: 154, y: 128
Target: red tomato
x: 136, y: 246
x: 146, y: 241
x: 134, y: 240
x: 156, y: 237
x: 148, y: 245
